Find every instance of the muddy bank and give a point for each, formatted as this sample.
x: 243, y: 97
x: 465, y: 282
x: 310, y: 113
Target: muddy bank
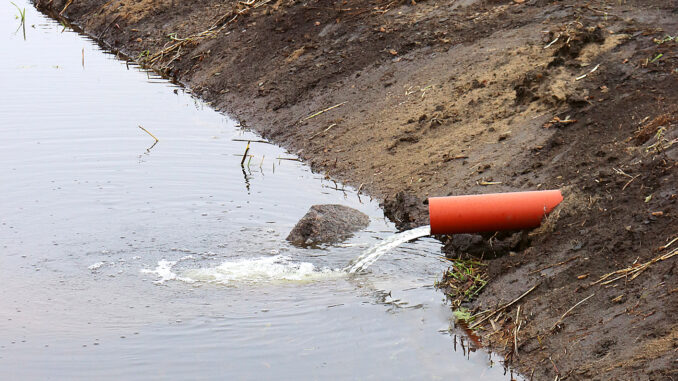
x: 437, y: 98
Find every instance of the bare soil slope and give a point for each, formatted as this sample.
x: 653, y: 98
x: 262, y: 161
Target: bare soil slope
x: 409, y: 99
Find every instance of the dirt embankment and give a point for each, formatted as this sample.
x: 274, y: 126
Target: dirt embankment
x: 452, y: 97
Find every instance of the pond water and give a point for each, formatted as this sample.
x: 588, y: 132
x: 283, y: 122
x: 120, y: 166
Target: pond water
x: 124, y: 259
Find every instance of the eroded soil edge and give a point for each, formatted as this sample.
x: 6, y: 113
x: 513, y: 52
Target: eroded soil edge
x: 410, y: 99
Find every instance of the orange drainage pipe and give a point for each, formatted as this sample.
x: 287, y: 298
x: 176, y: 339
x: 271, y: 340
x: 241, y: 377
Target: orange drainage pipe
x: 490, y: 212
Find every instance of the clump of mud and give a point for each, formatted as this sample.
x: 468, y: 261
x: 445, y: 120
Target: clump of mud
x: 484, y: 246
x: 406, y: 210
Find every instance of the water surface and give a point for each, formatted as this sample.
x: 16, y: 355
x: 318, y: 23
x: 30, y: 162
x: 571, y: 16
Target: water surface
x: 120, y: 259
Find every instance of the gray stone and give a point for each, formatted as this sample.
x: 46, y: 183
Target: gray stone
x: 327, y: 224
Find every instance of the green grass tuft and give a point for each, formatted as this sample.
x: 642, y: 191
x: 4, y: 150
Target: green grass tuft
x: 464, y: 280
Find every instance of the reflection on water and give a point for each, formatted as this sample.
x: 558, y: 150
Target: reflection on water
x: 126, y: 259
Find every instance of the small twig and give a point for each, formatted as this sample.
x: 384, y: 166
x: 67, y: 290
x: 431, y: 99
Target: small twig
x: 363, y: 184
x: 621, y: 172
x: 289, y: 158
x: 148, y: 132
x: 570, y: 310
x: 668, y: 244
x: 323, y: 111
x: 251, y: 141
x: 554, y: 265
x: 323, y: 131
x: 456, y: 157
x: 552, y: 42
x: 634, y: 270
x: 148, y: 150
x: 109, y: 26
x: 515, y: 332
x: 65, y: 7
x: 629, y: 182
x: 557, y: 121
x: 503, y: 307
x: 556, y: 368
x: 247, y: 149
x: 585, y: 75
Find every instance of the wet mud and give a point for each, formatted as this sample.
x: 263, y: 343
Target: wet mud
x: 405, y: 100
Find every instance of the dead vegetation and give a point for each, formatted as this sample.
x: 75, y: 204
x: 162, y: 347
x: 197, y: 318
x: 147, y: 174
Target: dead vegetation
x: 241, y: 9
x: 463, y: 281
x: 632, y: 272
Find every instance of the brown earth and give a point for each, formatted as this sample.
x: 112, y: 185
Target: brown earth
x: 468, y: 96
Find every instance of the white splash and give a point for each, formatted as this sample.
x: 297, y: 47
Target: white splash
x: 164, y: 271
x: 371, y: 255
x: 278, y: 268
x: 96, y: 266
x: 272, y: 269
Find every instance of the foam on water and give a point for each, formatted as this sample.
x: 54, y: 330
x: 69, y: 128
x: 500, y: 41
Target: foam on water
x: 96, y: 266
x: 279, y: 268
x: 371, y: 255
x: 272, y: 269
x: 164, y: 271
